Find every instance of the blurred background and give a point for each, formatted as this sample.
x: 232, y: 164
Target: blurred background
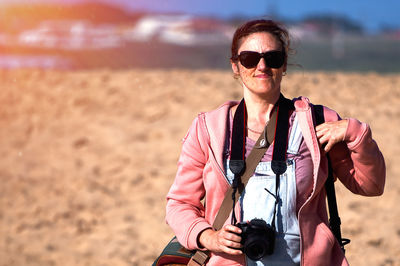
x: 83, y: 34
x: 96, y: 96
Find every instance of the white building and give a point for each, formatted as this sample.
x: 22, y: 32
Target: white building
x: 71, y: 35
x: 181, y: 30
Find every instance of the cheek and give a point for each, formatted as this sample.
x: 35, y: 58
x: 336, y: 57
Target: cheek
x: 277, y: 74
x: 246, y: 80
x: 245, y: 73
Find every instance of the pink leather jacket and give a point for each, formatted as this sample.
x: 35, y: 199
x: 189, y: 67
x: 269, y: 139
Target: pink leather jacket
x: 357, y: 162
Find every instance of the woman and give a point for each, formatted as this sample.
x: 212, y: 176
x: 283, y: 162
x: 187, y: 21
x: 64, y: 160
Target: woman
x: 259, y: 58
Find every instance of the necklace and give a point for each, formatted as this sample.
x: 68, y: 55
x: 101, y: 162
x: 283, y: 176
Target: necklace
x: 254, y: 131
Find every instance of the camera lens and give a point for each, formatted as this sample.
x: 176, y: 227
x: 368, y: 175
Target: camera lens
x: 256, y: 248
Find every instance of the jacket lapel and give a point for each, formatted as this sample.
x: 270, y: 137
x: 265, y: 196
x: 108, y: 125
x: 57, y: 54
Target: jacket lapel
x: 303, y: 111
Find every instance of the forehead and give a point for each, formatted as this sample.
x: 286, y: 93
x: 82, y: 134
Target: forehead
x: 260, y: 42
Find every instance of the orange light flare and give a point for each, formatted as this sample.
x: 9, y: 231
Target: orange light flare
x: 18, y: 18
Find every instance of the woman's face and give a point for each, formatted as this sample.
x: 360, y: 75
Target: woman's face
x: 260, y: 80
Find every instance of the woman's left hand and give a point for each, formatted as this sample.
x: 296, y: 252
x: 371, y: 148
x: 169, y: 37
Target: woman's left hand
x: 330, y: 133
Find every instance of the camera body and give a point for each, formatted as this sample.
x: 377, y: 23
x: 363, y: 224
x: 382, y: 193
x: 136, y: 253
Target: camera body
x: 258, y: 238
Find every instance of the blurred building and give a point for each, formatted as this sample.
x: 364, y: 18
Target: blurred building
x: 181, y: 30
x: 71, y: 35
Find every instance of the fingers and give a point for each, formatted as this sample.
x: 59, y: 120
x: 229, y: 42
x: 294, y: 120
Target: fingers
x: 330, y: 133
x: 324, y: 137
x: 329, y: 145
x: 229, y: 239
x: 226, y: 240
x: 232, y: 236
x: 231, y: 228
x: 325, y: 140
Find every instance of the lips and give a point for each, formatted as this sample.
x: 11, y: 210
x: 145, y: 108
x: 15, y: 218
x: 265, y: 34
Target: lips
x: 264, y: 75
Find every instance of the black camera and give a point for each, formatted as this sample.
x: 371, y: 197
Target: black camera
x: 258, y: 238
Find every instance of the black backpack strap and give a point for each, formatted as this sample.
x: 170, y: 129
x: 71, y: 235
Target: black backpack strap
x: 334, y: 219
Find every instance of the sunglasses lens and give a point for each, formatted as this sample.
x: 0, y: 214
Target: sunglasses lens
x: 249, y: 59
x: 273, y: 59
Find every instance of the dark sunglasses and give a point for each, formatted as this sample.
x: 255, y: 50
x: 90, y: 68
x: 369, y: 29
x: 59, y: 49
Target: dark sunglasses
x: 273, y: 59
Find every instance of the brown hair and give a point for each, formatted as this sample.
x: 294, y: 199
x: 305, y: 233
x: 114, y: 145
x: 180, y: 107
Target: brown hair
x: 260, y: 25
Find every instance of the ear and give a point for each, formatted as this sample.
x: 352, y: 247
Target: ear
x: 235, y: 68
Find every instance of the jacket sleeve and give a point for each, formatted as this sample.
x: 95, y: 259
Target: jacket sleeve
x: 357, y: 161
x: 185, y: 211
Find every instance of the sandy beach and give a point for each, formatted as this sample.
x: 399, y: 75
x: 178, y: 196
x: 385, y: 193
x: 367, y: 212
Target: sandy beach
x: 87, y: 158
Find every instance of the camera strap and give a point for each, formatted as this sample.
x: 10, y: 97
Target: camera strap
x: 237, y: 163
x: 278, y: 127
x: 279, y: 155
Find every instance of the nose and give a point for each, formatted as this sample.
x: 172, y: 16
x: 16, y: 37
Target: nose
x: 261, y: 64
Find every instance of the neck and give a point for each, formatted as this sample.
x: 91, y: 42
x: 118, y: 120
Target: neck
x: 259, y: 108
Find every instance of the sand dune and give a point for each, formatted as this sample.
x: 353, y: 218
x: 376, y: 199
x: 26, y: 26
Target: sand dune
x: 88, y: 157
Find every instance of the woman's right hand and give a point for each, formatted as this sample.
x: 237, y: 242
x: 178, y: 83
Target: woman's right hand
x: 225, y: 240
